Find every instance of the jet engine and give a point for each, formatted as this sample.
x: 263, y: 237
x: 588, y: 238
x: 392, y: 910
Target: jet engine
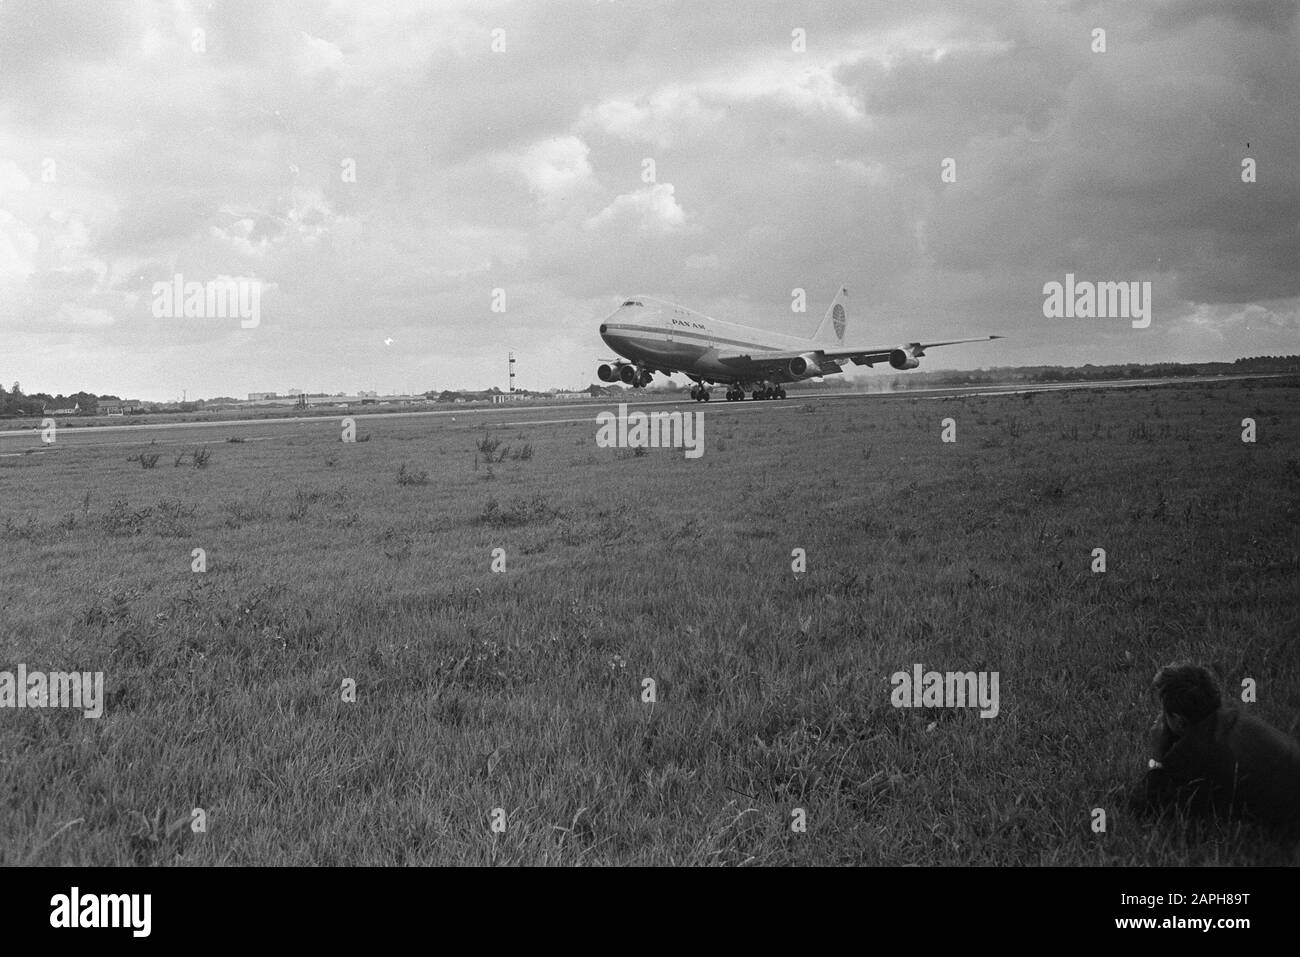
x: 804, y: 365
x: 905, y: 357
x: 607, y: 373
x: 628, y: 374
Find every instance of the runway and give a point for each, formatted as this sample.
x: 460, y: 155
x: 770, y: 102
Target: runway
x: 18, y: 442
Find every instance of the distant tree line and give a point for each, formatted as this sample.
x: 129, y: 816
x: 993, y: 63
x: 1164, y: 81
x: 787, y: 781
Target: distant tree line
x: 14, y: 402
x: 1090, y: 373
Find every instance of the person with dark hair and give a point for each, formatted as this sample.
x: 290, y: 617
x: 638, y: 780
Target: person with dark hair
x: 1209, y: 757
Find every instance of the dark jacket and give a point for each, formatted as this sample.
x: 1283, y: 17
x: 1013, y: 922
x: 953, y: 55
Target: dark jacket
x: 1233, y: 761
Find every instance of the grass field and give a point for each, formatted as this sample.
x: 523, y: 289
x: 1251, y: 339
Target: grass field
x: 522, y: 690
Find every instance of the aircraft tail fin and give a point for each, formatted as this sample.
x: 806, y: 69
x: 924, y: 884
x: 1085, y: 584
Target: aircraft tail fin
x: 831, y: 330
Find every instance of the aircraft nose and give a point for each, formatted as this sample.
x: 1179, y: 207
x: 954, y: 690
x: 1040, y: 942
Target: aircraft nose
x: 603, y: 328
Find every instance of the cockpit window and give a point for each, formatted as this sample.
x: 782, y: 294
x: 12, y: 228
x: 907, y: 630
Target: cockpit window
x: 631, y: 302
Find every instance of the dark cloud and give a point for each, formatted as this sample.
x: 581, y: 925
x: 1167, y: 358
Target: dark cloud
x: 1270, y: 15
x: 523, y: 170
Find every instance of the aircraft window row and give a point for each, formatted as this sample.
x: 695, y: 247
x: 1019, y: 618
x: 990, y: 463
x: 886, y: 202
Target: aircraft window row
x: 631, y: 302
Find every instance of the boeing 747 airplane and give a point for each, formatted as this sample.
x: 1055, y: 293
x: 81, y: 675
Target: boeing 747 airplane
x: 651, y: 336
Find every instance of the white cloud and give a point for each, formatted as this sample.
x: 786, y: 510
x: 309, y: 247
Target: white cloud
x: 872, y: 173
x: 237, y: 235
x: 684, y: 110
x: 18, y: 246
x: 650, y: 208
x: 12, y: 179
x: 554, y: 167
x: 67, y: 240
x: 74, y: 314
x: 480, y: 170
x: 315, y: 55
x: 810, y: 89
x: 669, y: 116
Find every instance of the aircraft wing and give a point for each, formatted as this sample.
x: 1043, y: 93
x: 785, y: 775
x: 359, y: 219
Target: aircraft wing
x: 857, y: 355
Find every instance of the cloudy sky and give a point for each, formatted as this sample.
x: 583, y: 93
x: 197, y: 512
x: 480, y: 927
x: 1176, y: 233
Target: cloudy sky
x: 380, y: 169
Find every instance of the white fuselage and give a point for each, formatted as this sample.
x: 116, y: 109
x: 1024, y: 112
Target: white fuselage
x: 662, y: 336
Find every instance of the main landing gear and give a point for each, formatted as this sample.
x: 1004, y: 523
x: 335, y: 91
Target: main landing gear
x: 736, y: 393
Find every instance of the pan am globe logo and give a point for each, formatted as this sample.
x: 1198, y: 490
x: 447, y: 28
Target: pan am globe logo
x: 837, y: 316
